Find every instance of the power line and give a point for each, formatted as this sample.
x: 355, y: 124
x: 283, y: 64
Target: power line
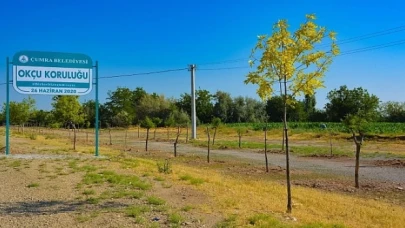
x: 225, y: 62
x: 340, y: 42
x: 225, y: 68
x: 368, y: 36
x: 374, y: 47
x: 349, y: 52
x: 145, y: 73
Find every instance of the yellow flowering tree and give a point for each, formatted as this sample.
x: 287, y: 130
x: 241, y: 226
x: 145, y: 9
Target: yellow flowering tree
x: 295, y: 63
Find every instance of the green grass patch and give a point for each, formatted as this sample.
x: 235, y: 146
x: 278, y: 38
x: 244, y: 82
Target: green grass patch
x: 15, y: 164
x: 321, y: 225
x: 128, y: 163
x: 136, y: 210
x: 175, y: 218
x: 227, y: 222
x: 89, y: 192
x: 87, y: 217
x: 187, y: 208
x: 115, y: 179
x: 93, y: 200
x: 192, y: 180
x: 159, y: 178
x: 121, y: 193
x: 153, y: 200
x: 264, y: 220
x: 33, y: 185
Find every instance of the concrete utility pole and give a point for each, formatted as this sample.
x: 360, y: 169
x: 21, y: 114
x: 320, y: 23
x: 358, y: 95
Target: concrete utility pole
x: 193, y: 109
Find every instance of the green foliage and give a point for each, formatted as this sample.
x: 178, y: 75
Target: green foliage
x: 223, y: 106
x: 122, y: 119
x: 216, y: 122
x: 392, y: 111
x: 120, y: 100
x: 147, y: 123
x: 20, y: 112
x: 157, y: 121
x: 67, y: 108
x: 292, y: 57
x: 204, y: 105
x: 357, y: 101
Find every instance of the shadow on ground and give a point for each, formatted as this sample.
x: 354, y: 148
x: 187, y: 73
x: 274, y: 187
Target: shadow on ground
x: 52, y: 207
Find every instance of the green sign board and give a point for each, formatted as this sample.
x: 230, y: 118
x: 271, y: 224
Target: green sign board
x: 52, y: 73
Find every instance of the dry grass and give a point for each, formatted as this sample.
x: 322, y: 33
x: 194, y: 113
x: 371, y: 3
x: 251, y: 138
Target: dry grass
x: 245, y: 197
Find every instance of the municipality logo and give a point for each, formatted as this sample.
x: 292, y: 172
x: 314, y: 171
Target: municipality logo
x: 23, y: 59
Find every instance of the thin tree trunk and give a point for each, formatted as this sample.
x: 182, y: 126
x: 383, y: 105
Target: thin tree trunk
x: 138, y: 131
x: 147, y: 138
x: 154, y: 134
x: 330, y: 143
x: 168, y: 134
x: 74, y: 138
x: 176, y: 141
x: 87, y: 137
x: 208, y: 143
x: 240, y: 138
x: 109, y: 132
x: 125, y: 141
x: 287, y: 152
x: 23, y: 128
x: 281, y: 95
x: 356, y: 171
x: 265, y: 148
x: 283, y: 142
x: 187, y: 134
x: 213, y: 137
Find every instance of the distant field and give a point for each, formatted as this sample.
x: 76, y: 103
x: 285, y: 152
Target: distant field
x: 374, y: 128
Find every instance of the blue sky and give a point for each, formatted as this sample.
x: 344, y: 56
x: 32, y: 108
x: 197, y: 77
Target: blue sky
x: 140, y: 36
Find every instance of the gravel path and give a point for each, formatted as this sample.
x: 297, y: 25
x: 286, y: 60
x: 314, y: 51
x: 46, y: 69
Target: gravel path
x: 337, y: 166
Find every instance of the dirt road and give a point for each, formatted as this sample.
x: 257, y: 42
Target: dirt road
x: 337, y: 166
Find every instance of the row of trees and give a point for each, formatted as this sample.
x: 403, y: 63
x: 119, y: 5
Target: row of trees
x: 125, y: 107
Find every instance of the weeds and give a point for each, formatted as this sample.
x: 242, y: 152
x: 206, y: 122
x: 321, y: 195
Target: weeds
x: 164, y: 167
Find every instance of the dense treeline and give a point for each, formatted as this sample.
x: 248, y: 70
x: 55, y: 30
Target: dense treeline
x: 125, y: 107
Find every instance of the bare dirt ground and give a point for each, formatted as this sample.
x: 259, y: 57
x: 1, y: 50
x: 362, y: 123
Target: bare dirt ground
x: 47, y: 191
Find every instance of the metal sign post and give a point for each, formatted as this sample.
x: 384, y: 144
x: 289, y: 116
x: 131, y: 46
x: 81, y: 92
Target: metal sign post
x: 7, y: 107
x: 96, y: 124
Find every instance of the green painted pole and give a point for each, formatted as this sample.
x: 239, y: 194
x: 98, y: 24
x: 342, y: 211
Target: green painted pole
x: 7, y: 107
x: 96, y: 123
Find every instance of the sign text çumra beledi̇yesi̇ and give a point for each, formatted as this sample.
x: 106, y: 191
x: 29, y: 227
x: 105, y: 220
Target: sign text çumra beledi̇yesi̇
x: 56, y: 60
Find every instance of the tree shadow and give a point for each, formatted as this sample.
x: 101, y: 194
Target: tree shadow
x: 53, y: 207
